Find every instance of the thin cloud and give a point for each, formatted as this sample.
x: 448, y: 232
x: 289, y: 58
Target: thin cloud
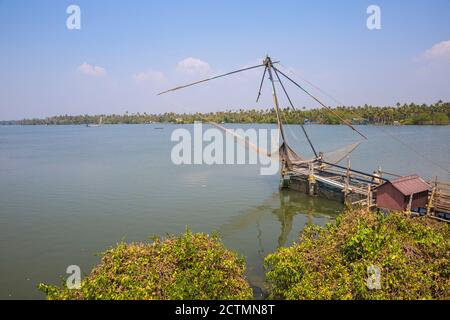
x: 90, y: 70
x: 193, y: 66
x: 439, y: 50
x: 150, y: 76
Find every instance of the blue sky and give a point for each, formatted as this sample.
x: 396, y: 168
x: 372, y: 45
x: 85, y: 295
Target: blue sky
x: 127, y: 51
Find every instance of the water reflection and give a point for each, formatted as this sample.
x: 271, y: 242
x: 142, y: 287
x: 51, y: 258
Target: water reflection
x: 284, y: 206
x: 275, y: 223
x: 292, y: 203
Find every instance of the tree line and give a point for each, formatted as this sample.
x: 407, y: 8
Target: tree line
x: 408, y: 114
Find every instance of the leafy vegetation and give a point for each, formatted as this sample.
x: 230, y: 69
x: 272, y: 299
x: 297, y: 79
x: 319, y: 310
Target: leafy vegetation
x: 412, y: 255
x: 437, y: 113
x: 191, y: 266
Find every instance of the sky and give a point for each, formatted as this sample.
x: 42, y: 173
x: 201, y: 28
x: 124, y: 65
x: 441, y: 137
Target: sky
x: 127, y: 51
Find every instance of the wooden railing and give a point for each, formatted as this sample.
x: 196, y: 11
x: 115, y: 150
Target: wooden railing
x: 439, y: 202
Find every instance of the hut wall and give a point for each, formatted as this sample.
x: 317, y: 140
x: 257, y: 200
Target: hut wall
x: 420, y: 200
x: 389, y: 197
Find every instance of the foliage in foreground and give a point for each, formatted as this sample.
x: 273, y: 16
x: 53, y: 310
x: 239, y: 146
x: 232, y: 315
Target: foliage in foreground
x: 332, y: 262
x: 192, y: 266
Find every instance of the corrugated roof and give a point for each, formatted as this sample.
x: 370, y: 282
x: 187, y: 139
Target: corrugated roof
x: 410, y: 184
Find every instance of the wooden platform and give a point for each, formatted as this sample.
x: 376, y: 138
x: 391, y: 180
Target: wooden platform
x: 333, y: 185
x: 440, y: 199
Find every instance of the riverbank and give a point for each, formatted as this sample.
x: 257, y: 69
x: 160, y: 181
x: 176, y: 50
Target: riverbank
x: 362, y: 255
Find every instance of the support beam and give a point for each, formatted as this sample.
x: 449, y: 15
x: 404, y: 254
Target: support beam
x: 292, y: 106
x: 355, y: 171
x: 269, y: 65
x: 262, y: 82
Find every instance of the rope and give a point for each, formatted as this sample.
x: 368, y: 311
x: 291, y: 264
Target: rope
x: 322, y: 104
x: 446, y: 170
x: 292, y: 106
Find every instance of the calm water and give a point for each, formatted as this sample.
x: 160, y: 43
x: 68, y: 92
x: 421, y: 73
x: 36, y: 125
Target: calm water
x: 68, y: 192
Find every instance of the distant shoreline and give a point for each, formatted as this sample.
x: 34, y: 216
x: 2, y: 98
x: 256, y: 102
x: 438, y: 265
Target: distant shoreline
x: 406, y: 114
x: 185, y: 123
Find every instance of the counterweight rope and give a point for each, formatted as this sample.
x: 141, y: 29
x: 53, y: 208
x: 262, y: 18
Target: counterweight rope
x: 446, y: 170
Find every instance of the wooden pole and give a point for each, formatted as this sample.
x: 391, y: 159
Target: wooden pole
x: 269, y: 66
x: 408, y: 208
x: 293, y: 108
x: 347, y: 180
x: 430, y: 200
x: 268, y: 63
x: 311, y: 180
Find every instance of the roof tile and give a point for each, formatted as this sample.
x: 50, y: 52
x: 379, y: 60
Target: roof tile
x: 410, y: 184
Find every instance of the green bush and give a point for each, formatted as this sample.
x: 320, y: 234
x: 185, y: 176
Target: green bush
x: 331, y: 263
x: 420, y: 118
x: 192, y: 266
x: 440, y: 118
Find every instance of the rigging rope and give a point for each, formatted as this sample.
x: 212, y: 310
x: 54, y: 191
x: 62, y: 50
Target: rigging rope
x: 446, y: 170
x: 292, y: 105
x: 322, y: 104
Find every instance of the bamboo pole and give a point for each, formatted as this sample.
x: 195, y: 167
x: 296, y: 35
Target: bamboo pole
x: 347, y: 180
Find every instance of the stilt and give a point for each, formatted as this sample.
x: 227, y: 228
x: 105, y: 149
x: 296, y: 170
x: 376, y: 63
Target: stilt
x: 431, y: 198
x: 369, y: 196
x: 408, y: 208
x: 311, y: 180
x: 347, y: 181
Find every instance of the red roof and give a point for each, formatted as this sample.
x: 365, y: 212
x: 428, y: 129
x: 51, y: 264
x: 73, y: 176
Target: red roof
x: 410, y: 184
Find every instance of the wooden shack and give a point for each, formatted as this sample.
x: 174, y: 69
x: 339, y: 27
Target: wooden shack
x: 405, y: 193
